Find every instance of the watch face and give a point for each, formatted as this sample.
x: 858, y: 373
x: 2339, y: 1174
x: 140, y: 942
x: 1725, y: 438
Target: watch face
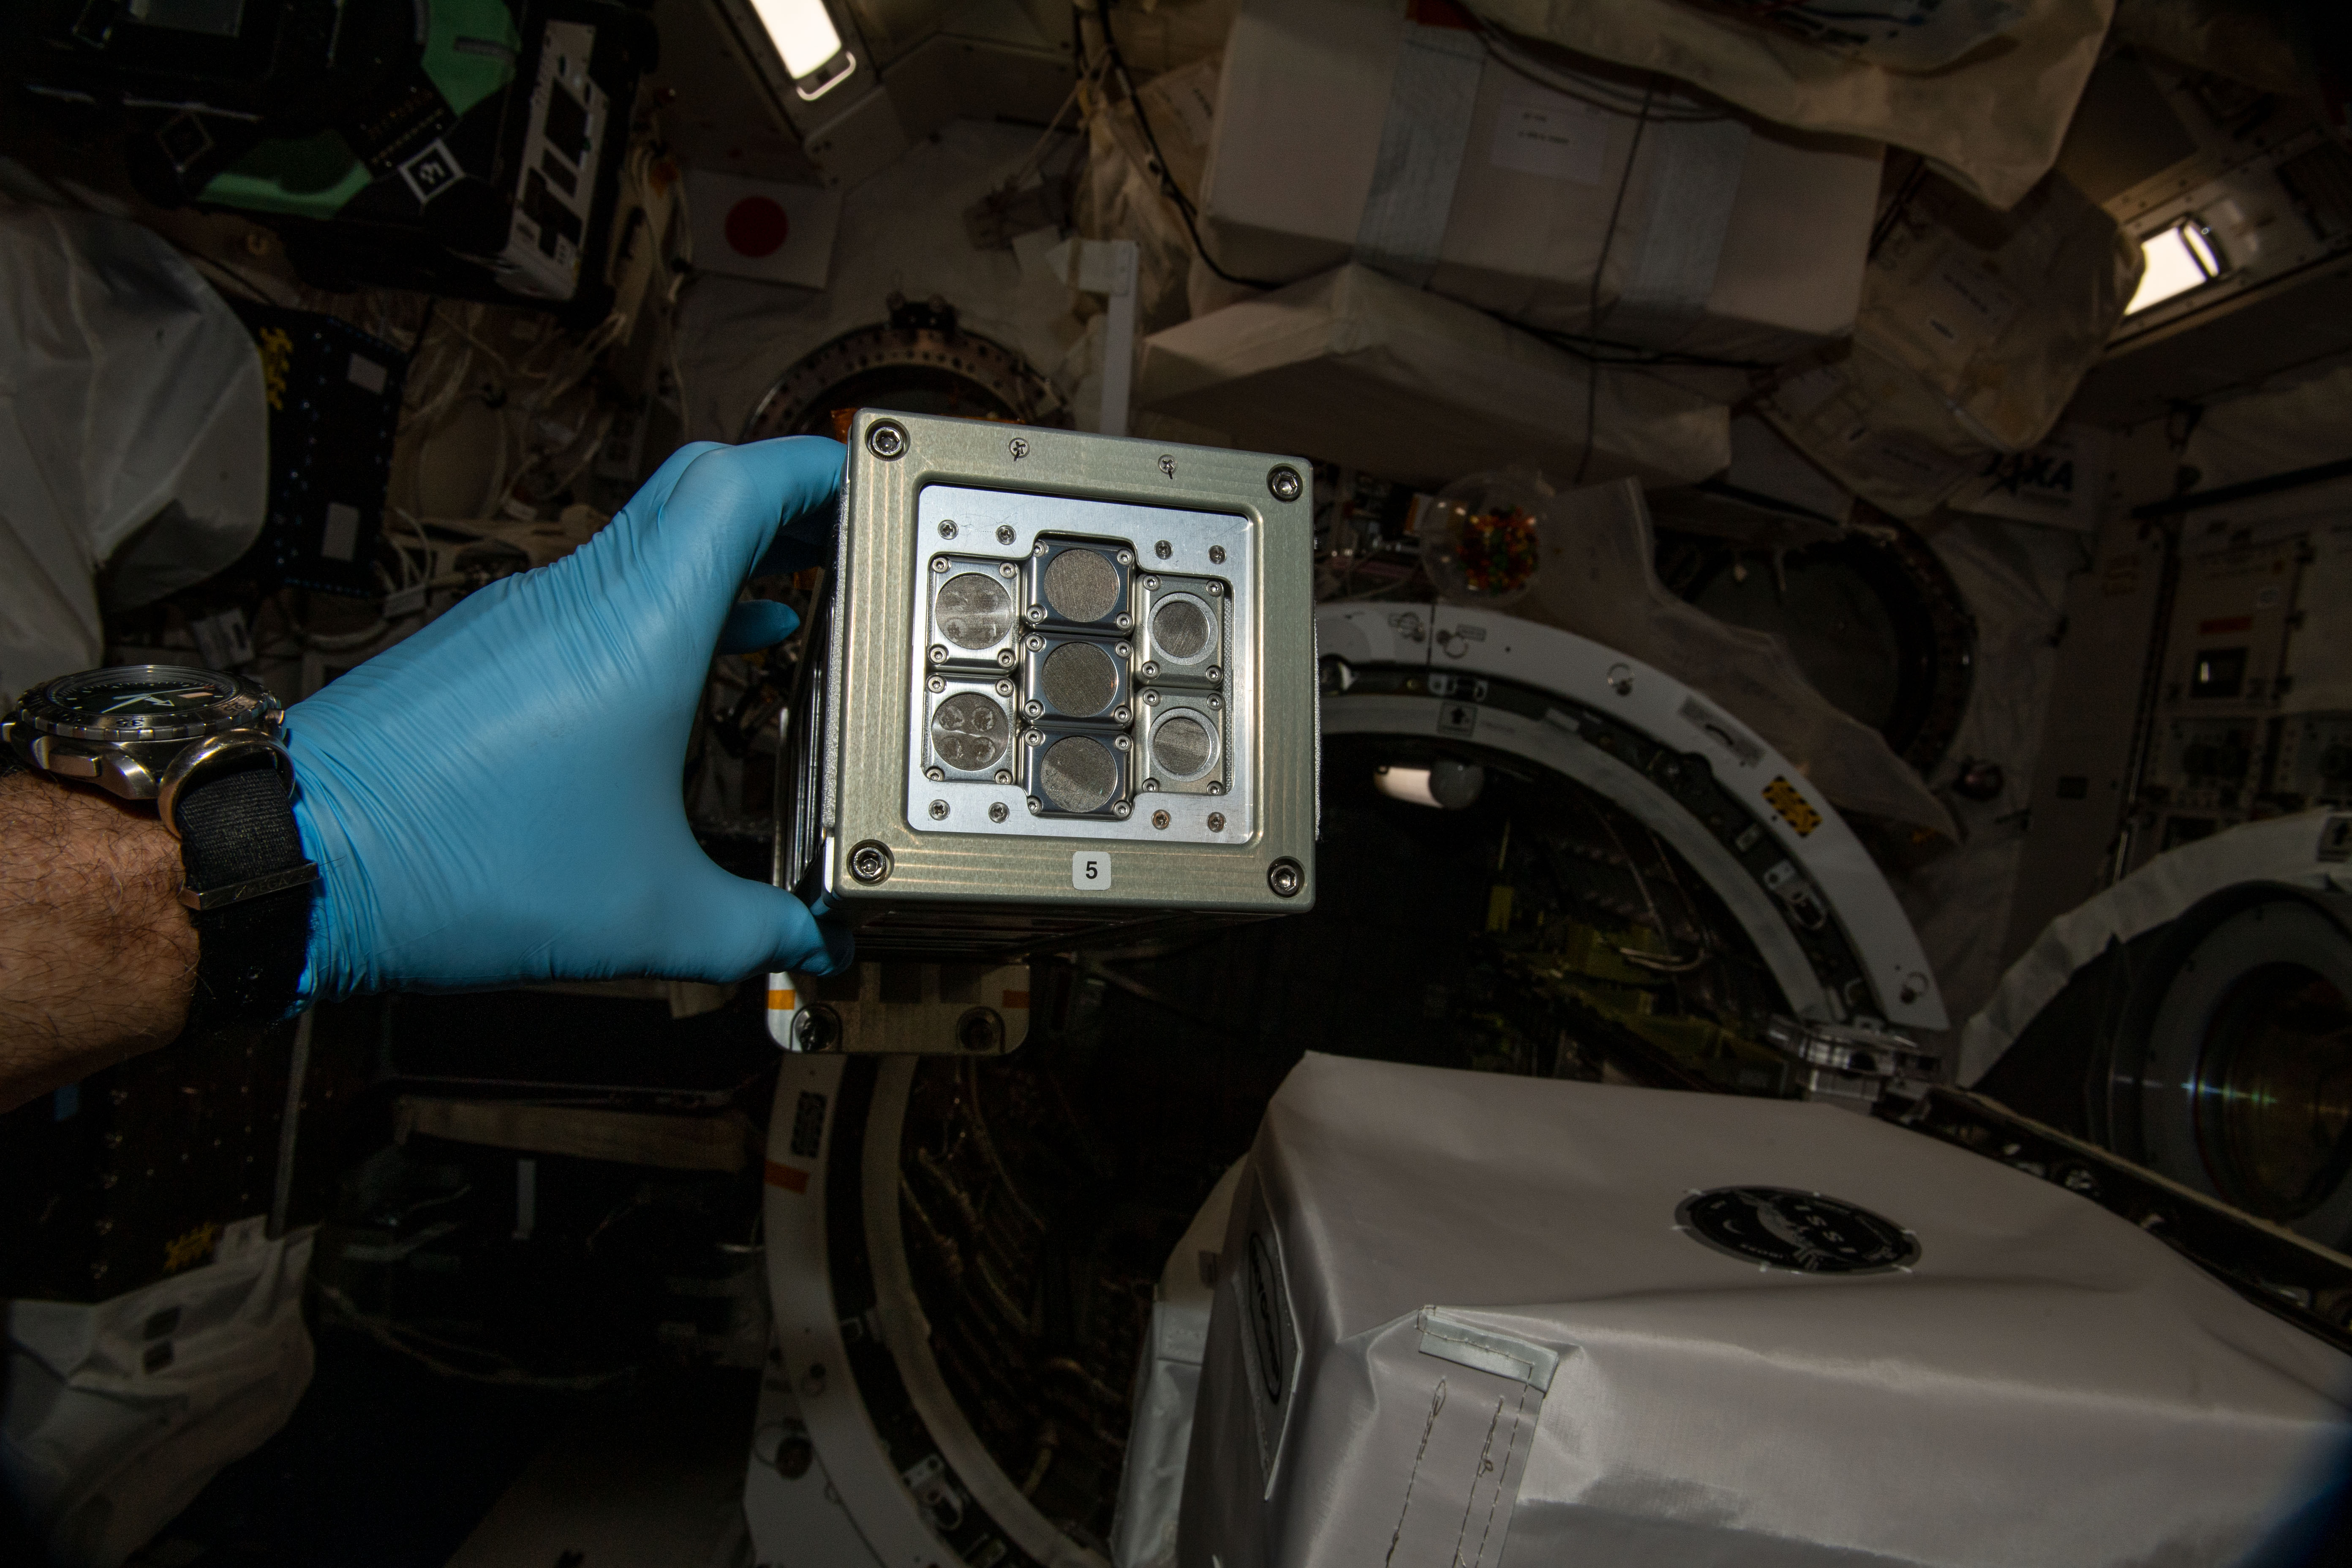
x: 138, y: 702
x: 141, y: 694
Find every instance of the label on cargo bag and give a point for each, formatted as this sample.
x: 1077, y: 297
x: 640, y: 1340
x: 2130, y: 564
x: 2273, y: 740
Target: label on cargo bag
x: 1539, y: 132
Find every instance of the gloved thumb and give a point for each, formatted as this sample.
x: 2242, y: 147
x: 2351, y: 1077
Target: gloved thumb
x: 757, y: 624
x: 741, y: 927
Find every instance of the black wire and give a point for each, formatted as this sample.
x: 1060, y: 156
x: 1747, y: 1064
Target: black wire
x: 1592, y: 303
x: 1501, y: 49
x: 1168, y: 185
x: 1883, y: 229
x: 1581, y: 345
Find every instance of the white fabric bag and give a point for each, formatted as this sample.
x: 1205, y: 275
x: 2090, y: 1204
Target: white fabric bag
x: 133, y: 433
x: 1476, y: 1320
x: 117, y: 1414
x: 1356, y: 367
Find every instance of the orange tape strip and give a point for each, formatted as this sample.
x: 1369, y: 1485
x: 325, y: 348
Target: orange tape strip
x: 1017, y: 999
x: 783, y: 1001
x: 791, y: 1178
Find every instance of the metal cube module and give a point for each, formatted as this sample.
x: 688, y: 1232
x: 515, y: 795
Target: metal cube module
x: 986, y: 703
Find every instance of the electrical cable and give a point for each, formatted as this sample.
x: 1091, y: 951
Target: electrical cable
x: 1592, y: 304
x: 1183, y: 203
x: 1589, y: 90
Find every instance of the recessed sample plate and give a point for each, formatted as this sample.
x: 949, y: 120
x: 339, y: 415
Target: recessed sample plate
x: 1089, y: 669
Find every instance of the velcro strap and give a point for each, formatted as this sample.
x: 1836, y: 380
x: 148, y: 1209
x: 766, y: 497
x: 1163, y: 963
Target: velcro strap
x: 237, y: 828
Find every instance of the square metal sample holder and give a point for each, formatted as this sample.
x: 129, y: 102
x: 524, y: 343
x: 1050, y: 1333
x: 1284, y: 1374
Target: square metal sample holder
x: 1060, y: 685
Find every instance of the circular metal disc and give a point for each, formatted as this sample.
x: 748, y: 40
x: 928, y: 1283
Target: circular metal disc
x: 1182, y: 747
x: 1081, y: 585
x: 1080, y: 680
x: 1080, y: 774
x: 968, y: 732
x: 973, y: 611
x: 1180, y: 629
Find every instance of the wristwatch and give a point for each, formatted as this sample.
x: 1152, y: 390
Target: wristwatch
x: 204, y: 748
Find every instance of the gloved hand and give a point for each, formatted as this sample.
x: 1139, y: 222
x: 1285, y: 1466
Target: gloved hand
x: 500, y: 797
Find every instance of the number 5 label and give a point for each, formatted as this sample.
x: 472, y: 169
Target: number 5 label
x: 1090, y: 870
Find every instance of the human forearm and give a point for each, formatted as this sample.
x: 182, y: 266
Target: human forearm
x: 98, y: 957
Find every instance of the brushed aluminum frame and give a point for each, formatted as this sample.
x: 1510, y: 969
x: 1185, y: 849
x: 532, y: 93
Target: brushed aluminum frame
x: 1191, y: 535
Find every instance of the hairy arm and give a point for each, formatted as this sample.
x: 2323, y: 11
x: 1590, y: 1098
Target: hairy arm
x: 98, y: 959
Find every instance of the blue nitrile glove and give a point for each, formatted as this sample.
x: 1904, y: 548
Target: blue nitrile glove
x: 500, y: 797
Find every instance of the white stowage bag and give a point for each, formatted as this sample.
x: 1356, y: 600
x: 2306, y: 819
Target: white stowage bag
x: 1992, y: 119
x: 1348, y: 129
x: 1358, y: 368
x: 1166, y: 1387
x: 1472, y: 1321
x: 1976, y: 328
x: 2290, y: 850
x: 131, y: 395
x: 1598, y: 578
x: 115, y: 1416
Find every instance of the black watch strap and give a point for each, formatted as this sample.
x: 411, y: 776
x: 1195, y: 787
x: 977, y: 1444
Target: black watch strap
x: 249, y: 892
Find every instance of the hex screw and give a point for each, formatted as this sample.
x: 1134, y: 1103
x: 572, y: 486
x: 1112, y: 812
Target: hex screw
x: 1123, y: 650
x: 939, y: 563
x: 1035, y: 738
x: 1125, y: 622
x: 1034, y: 808
x: 1120, y: 715
x: 1163, y: 550
x: 1004, y: 688
x: 1127, y: 557
x: 886, y: 440
x: 1159, y: 820
x: 1215, y: 788
x: 1038, y: 548
x: 1122, y: 742
x: 1214, y: 673
x: 937, y: 776
x: 938, y: 811
x: 981, y: 1030
x: 1215, y: 589
x: 1122, y: 810
x: 1287, y: 486
x: 1003, y: 777
x: 1035, y: 642
x: 1151, y: 699
x: 999, y: 811
x: 1004, y: 659
x: 870, y: 862
x: 1003, y: 534
x: 937, y: 683
x: 1151, y: 581
x: 947, y: 527
x: 1152, y: 786
x: 1151, y: 668
x: 1216, y: 702
x: 818, y: 1028
x: 1035, y: 707
x: 1037, y: 613
x: 1216, y: 822
x: 938, y: 653
x: 1286, y: 877
x: 1217, y: 554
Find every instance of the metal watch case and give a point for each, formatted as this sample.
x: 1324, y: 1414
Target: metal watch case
x: 142, y: 731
